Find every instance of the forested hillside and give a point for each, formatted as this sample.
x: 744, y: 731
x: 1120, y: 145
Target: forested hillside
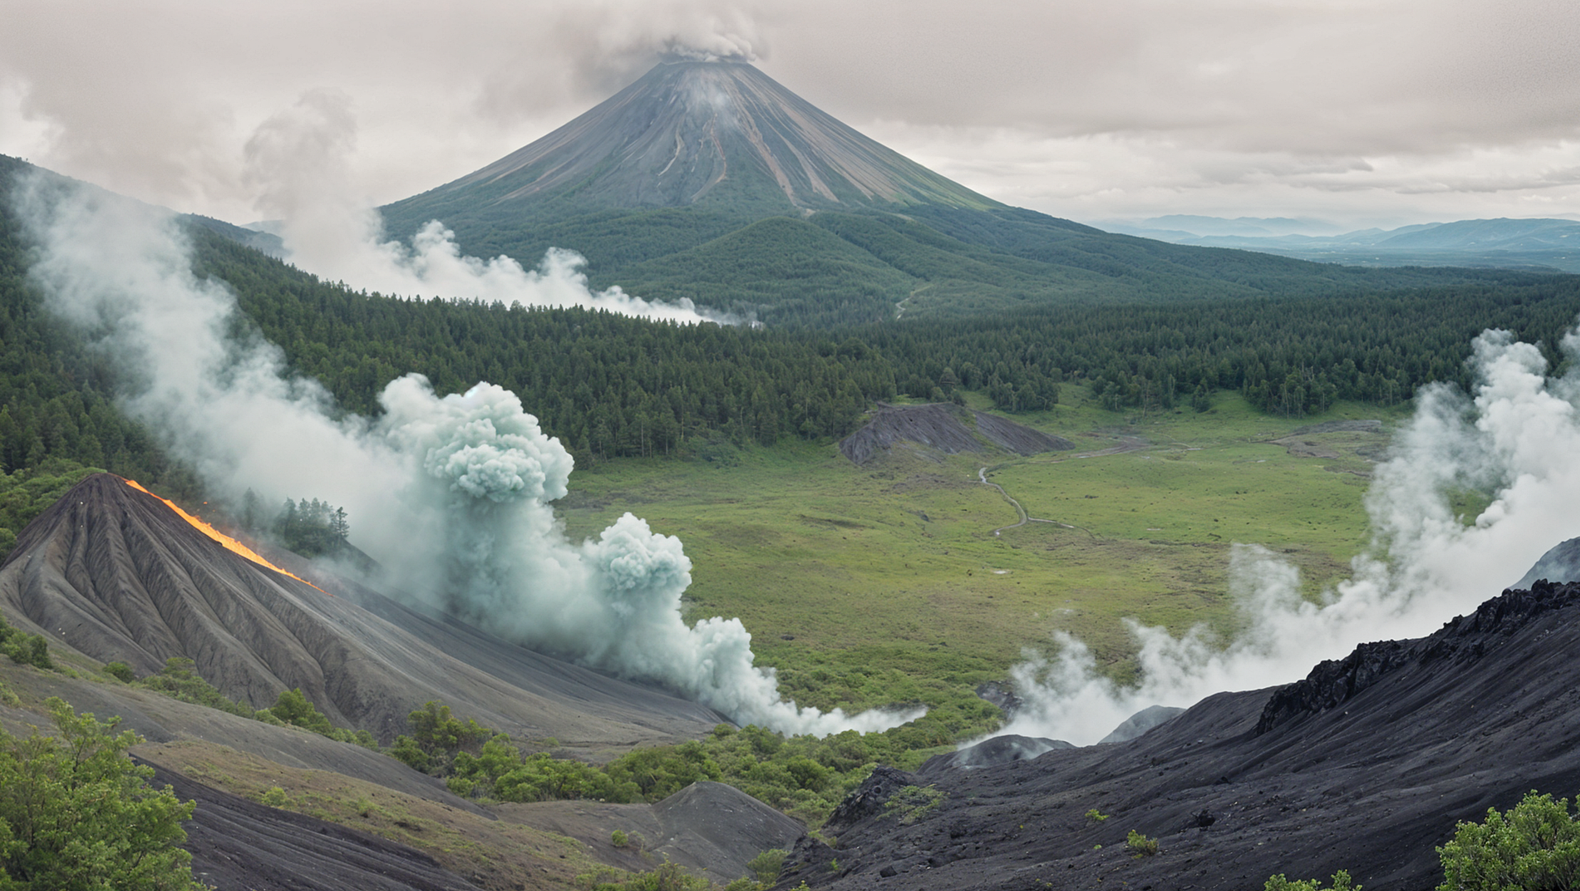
x: 609, y: 385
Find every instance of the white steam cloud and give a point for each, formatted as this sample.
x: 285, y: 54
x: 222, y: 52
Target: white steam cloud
x: 452, y: 493
x: 1517, y: 438
x: 299, y: 159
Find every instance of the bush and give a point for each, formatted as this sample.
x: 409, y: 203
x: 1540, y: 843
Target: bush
x: 1341, y: 882
x: 179, y: 679
x: 275, y: 797
x: 294, y: 708
x: 75, y: 812
x: 120, y: 671
x: 24, y: 648
x: 1535, y: 846
x: 767, y: 865
x: 1139, y: 845
x: 619, y: 839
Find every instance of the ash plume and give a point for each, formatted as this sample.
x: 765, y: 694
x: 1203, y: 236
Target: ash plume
x: 299, y: 160
x: 1514, y: 439
x: 452, y: 493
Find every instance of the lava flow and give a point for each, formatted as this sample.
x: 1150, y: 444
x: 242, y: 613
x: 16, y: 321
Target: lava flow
x: 230, y: 544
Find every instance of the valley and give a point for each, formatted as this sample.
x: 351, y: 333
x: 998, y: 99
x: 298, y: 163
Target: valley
x: 797, y: 541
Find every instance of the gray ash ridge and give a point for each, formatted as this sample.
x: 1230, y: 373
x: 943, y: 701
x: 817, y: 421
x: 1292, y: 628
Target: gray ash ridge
x: 946, y: 428
x: 116, y: 575
x: 1366, y: 764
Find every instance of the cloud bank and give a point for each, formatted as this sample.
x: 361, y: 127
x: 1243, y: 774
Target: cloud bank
x: 1047, y: 105
x: 1516, y: 438
x: 452, y: 493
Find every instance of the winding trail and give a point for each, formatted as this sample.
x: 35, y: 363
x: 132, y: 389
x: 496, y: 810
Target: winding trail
x: 1126, y: 444
x: 1024, y: 517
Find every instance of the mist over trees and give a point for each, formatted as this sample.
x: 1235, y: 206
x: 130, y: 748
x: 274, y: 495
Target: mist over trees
x: 611, y: 386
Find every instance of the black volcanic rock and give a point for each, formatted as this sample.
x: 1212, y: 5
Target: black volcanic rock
x: 1365, y: 765
x: 116, y: 575
x: 240, y: 845
x: 991, y: 752
x: 1139, y: 723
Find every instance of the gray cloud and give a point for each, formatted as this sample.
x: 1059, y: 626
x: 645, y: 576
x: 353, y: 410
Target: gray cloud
x: 1210, y: 103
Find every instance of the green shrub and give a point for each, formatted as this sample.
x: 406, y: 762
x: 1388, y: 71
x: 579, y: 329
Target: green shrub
x: 120, y: 671
x: 1535, y: 846
x: 179, y: 679
x: 75, y: 812
x: 275, y: 797
x: 294, y: 708
x: 1139, y: 845
x: 619, y: 839
x: 1096, y: 816
x: 912, y: 803
x: 767, y: 865
x: 24, y: 648
x: 1340, y: 882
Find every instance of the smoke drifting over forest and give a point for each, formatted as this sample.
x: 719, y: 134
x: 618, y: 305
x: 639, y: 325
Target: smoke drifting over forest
x: 1514, y: 438
x: 299, y: 160
x: 452, y: 493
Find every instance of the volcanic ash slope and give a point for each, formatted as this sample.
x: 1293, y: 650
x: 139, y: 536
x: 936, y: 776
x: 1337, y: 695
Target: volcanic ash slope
x: 115, y: 574
x: 1365, y: 765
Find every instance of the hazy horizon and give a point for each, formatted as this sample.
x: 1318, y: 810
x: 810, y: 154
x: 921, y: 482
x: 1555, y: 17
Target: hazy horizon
x: 1357, y: 115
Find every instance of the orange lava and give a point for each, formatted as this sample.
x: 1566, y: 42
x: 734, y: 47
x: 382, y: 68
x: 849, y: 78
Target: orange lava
x: 230, y: 544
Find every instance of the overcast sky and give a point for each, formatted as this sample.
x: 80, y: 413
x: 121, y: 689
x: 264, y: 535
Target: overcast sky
x: 1360, y: 112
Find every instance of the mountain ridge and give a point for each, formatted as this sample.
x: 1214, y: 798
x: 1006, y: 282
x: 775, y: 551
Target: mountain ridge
x: 659, y: 188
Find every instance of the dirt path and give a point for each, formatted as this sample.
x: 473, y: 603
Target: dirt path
x: 1126, y: 444
x: 1024, y: 517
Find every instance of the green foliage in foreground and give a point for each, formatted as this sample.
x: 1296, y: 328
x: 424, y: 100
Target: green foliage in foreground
x: 1535, y: 846
x: 76, y: 813
x: 1340, y: 882
x: 803, y: 776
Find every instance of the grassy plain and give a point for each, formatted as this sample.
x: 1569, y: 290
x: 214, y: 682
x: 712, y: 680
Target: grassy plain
x: 897, y: 581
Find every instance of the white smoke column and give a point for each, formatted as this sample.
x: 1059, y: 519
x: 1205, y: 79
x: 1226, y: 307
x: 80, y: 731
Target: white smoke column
x: 1519, y: 438
x: 299, y: 161
x: 453, y: 494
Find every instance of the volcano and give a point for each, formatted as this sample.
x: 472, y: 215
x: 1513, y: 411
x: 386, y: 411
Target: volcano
x: 710, y: 134
x: 708, y: 180
x: 117, y: 574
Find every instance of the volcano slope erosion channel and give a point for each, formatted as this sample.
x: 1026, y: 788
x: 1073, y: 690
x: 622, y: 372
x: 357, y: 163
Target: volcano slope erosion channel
x: 1365, y: 765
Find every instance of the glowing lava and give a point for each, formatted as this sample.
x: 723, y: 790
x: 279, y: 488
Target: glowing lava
x: 230, y: 544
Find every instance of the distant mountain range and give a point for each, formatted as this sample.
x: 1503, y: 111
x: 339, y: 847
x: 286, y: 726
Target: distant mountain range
x: 1500, y: 243
x: 711, y: 181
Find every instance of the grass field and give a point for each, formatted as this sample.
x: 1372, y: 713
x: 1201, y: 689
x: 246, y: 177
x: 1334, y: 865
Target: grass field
x: 885, y: 583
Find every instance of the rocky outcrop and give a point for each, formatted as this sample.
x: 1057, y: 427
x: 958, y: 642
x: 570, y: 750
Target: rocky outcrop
x: 1365, y: 765
x: 945, y: 428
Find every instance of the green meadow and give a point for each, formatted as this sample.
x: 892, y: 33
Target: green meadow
x: 906, y: 563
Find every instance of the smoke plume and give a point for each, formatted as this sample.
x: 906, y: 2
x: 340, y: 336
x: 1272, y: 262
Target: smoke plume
x: 1515, y: 438
x: 452, y: 493
x: 299, y: 160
